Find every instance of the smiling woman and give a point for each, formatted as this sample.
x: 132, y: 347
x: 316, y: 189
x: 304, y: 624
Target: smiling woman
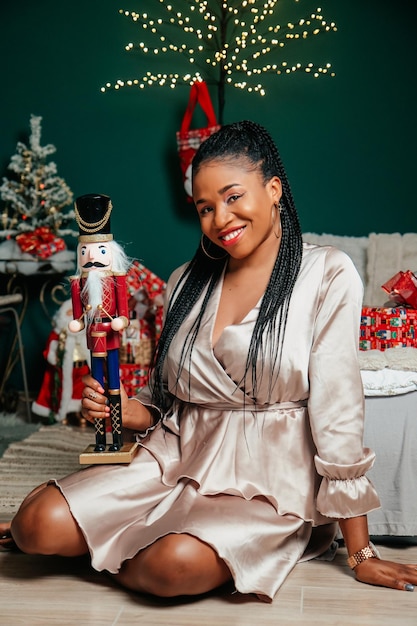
x: 251, y: 446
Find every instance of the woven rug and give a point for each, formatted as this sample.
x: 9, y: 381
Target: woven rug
x: 50, y: 452
x: 14, y: 427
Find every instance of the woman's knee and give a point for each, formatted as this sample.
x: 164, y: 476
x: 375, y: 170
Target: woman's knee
x: 173, y: 566
x: 43, y: 523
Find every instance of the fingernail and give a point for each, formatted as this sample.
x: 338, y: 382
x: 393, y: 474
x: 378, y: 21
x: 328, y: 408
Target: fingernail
x: 409, y: 587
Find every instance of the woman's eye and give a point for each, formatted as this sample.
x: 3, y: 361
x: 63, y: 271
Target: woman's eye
x: 233, y: 198
x: 205, y: 210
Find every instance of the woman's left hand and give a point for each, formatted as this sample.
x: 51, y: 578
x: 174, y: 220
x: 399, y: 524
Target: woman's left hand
x: 387, y: 574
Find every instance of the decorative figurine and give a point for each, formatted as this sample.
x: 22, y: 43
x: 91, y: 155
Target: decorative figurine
x: 67, y: 360
x: 100, y: 304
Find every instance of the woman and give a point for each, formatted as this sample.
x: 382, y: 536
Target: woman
x: 251, y: 428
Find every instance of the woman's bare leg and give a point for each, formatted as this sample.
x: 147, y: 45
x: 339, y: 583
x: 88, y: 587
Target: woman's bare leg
x: 175, y: 565
x: 6, y: 539
x: 44, y: 525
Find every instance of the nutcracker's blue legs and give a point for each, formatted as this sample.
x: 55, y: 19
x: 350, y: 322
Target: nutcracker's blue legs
x: 97, y: 371
x: 113, y: 385
x: 113, y: 375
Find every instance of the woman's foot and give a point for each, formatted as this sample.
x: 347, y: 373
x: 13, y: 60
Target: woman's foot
x: 6, y: 539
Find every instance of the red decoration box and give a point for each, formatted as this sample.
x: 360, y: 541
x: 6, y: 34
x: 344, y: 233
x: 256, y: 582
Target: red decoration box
x: 42, y: 242
x: 134, y: 377
x: 402, y: 288
x: 145, y: 293
x: 388, y: 327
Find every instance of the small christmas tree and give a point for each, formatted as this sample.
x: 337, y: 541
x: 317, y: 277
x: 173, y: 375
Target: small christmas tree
x: 35, y: 196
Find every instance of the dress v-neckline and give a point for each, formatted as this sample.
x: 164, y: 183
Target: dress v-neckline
x: 216, y: 304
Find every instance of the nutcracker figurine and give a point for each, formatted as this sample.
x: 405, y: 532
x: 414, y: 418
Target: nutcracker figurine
x: 100, y: 304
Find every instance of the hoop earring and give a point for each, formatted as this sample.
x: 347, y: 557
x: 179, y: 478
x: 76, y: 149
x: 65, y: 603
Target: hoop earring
x: 278, y: 208
x: 215, y: 258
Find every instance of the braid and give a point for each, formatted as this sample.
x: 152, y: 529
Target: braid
x: 273, y: 312
x: 251, y: 142
x: 200, y: 272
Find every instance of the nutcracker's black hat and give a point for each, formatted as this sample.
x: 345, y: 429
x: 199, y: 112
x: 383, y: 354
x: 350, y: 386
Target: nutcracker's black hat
x: 92, y: 212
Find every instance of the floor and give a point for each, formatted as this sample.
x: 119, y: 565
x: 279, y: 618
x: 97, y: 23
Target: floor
x: 41, y: 591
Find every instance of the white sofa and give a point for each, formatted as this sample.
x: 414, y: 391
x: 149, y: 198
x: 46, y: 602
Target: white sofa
x: 390, y: 385
x: 377, y: 258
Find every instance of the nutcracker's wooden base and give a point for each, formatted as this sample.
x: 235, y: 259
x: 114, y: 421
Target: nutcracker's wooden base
x: 124, y: 455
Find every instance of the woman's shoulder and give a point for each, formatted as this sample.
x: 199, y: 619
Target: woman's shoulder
x: 330, y: 263
x: 329, y: 255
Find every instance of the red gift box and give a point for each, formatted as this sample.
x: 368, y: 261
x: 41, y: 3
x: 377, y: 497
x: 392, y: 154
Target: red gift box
x: 133, y: 377
x: 42, y: 242
x: 140, y: 279
x: 145, y: 296
x: 388, y: 327
x: 402, y: 288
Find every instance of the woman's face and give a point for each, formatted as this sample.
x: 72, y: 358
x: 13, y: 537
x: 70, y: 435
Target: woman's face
x: 237, y: 210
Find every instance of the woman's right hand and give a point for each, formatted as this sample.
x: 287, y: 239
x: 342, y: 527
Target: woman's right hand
x: 94, y: 403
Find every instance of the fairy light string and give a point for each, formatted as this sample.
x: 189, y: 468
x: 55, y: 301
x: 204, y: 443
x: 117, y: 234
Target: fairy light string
x: 224, y: 42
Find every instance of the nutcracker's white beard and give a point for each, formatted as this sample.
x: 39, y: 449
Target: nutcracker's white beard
x: 92, y: 292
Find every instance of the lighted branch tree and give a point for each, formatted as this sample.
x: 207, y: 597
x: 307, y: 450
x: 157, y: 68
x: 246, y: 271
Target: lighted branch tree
x: 224, y: 42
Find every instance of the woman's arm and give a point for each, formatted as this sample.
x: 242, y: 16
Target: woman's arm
x: 336, y: 409
x: 373, y: 570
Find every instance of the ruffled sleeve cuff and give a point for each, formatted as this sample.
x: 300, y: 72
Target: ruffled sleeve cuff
x: 139, y: 436
x: 345, y: 490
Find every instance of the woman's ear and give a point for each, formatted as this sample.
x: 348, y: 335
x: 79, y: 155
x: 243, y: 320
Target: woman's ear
x: 276, y: 189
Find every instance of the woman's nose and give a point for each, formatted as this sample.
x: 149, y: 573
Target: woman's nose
x: 220, y: 216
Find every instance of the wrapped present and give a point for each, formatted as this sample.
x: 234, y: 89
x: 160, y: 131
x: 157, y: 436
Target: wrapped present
x: 138, y: 342
x: 41, y: 242
x: 388, y: 327
x: 133, y: 377
x: 145, y: 297
x: 402, y: 288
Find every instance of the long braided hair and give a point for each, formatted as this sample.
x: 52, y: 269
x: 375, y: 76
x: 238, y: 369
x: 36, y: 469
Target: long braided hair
x: 254, y: 144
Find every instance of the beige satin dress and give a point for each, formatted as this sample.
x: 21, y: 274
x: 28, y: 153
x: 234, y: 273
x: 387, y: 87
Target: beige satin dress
x: 264, y: 483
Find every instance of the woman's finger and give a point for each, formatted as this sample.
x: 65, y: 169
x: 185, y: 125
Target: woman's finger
x: 92, y: 383
x: 94, y: 407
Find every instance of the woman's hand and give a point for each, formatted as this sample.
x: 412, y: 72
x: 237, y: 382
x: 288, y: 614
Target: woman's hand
x: 94, y: 405
x: 387, y: 574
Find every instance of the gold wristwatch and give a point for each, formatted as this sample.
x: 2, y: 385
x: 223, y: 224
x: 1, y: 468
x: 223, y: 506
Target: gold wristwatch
x: 362, y: 555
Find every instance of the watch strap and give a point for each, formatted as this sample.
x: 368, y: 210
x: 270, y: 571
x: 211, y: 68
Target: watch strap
x: 362, y: 555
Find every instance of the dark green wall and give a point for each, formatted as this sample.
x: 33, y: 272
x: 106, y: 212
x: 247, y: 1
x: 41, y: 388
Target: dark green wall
x: 348, y: 142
